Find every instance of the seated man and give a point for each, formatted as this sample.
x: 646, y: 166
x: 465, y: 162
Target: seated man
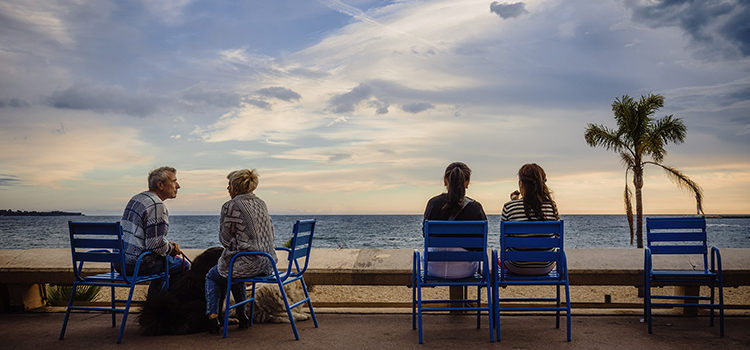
x: 145, y: 223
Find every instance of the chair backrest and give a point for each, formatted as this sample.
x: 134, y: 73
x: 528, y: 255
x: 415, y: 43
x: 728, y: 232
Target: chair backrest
x: 517, y: 237
x: 469, y: 235
x: 677, y: 235
x: 95, y: 242
x: 301, y: 245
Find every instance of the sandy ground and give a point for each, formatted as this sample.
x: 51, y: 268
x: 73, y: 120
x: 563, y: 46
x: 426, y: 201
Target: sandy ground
x: 348, y: 296
x: 578, y: 294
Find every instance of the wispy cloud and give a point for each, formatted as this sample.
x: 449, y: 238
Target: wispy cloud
x: 7, y: 180
x: 417, y: 107
x: 280, y: 93
x: 104, y: 98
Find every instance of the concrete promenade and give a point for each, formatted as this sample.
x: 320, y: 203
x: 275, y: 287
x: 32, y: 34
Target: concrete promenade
x: 34, y: 330
x: 21, y: 271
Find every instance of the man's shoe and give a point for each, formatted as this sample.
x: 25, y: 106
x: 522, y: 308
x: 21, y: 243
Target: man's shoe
x: 244, y: 321
x: 214, y: 326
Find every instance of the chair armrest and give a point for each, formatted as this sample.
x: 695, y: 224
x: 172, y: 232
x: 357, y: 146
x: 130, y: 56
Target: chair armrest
x: 288, y: 250
x: 138, y: 263
x: 715, y: 260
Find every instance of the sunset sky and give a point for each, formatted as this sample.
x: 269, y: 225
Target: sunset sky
x: 357, y: 107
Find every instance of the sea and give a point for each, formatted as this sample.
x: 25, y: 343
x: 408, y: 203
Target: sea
x: 355, y: 231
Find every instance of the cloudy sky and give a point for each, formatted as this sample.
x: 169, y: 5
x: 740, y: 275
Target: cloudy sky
x: 357, y: 106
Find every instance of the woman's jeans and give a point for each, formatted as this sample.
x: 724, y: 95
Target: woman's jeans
x: 215, y: 288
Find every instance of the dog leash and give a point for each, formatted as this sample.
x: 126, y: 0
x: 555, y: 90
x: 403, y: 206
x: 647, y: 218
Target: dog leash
x: 185, y: 258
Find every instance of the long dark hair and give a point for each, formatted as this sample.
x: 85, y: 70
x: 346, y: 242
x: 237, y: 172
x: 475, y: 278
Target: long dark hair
x: 535, y: 190
x: 456, y: 175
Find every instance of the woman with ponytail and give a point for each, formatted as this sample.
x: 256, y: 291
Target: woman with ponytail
x: 454, y: 205
x: 244, y: 226
x: 535, y: 203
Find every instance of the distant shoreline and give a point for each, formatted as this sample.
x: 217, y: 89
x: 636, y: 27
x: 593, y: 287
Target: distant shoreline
x: 38, y: 213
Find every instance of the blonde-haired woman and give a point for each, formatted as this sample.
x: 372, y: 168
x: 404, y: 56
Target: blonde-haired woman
x: 244, y: 226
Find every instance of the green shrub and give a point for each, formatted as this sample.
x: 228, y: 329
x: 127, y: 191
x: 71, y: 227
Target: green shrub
x: 59, y: 295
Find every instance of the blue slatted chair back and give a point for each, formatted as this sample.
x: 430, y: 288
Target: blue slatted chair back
x: 469, y: 235
x: 517, y: 237
x: 678, y: 235
x: 301, y: 246
x: 95, y: 242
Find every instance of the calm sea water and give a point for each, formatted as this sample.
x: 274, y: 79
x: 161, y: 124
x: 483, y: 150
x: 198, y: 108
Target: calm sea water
x: 354, y: 231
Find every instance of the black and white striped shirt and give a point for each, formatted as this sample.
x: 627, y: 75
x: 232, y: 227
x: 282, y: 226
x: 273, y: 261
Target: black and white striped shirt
x: 514, y: 211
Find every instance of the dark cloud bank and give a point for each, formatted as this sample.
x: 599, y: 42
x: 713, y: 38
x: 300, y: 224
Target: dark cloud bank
x: 704, y: 21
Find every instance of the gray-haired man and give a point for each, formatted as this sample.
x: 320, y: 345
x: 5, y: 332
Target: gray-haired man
x: 145, y: 223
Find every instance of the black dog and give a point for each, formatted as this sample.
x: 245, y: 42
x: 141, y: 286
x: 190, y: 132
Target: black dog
x: 182, y: 309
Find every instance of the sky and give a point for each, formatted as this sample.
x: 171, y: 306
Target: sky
x: 357, y: 107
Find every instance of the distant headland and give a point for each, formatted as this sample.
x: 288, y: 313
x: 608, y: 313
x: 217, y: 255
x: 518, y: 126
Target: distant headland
x: 11, y: 212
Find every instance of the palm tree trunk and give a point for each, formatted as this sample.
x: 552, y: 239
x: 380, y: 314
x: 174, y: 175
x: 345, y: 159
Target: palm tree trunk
x: 638, y: 184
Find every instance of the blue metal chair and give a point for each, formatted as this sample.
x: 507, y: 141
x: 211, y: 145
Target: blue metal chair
x: 300, y: 248
x: 538, y: 241
x: 684, y: 235
x: 472, y: 237
x: 102, y: 242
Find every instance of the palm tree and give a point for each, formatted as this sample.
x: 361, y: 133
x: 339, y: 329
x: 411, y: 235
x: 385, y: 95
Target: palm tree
x: 638, y: 136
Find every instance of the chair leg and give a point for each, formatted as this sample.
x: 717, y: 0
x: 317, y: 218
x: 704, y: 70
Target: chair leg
x: 419, y: 310
x: 67, y: 311
x: 712, y: 304
x: 252, y: 305
x: 490, y: 313
x: 567, y: 306
x: 226, y: 309
x: 479, y: 305
x: 125, y: 313
x: 496, y: 300
x: 647, y: 305
x: 721, y: 308
x: 413, y: 302
x: 112, y: 300
x: 309, y: 302
x: 557, y: 318
x: 288, y: 310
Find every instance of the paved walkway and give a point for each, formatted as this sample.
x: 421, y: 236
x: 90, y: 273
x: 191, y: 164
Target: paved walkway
x: 383, y: 331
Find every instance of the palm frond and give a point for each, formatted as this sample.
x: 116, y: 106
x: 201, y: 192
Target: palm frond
x: 650, y: 103
x: 600, y: 135
x: 623, y: 108
x: 629, y: 162
x: 684, y: 182
x: 629, y: 206
x: 662, y: 132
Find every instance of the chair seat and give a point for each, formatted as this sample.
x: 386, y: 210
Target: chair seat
x: 552, y: 275
x: 477, y: 278
x: 117, y: 277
